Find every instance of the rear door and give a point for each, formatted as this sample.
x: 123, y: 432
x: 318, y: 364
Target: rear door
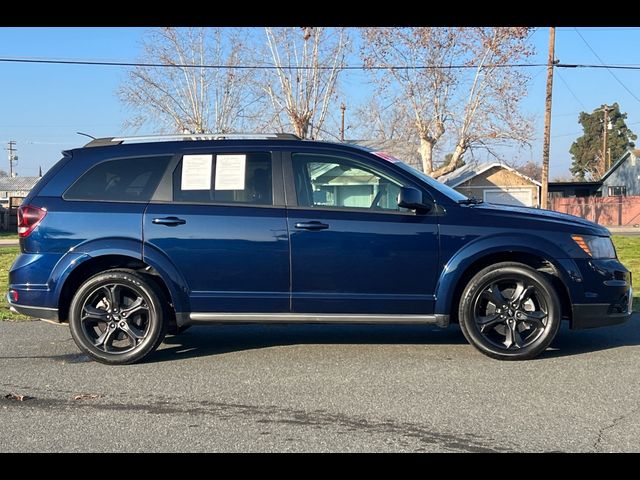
x: 225, y: 230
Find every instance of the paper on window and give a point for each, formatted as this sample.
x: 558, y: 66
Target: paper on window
x: 230, y: 171
x: 196, y: 172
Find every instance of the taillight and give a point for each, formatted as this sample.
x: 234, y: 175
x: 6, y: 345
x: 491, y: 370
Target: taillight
x: 28, y: 218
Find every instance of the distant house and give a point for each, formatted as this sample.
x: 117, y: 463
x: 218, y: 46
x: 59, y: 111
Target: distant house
x: 495, y: 183
x: 15, y: 187
x: 574, y: 189
x: 623, y: 178
x: 353, y: 188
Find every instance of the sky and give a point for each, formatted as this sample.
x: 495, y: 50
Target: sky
x: 43, y: 106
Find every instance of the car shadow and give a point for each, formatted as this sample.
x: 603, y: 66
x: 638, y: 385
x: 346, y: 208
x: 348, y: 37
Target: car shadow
x: 220, y: 339
x: 577, y: 342
x: 200, y: 341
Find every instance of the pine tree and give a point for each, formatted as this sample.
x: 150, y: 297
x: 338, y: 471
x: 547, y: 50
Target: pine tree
x: 586, y: 151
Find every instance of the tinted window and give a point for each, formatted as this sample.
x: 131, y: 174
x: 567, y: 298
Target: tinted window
x: 125, y: 179
x: 224, y: 178
x: 324, y: 181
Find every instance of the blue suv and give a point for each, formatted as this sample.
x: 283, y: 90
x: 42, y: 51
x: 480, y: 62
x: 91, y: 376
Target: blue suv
x: 127, y: 239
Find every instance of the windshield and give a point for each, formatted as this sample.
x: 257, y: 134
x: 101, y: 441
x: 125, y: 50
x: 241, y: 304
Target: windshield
x: 441, y: 187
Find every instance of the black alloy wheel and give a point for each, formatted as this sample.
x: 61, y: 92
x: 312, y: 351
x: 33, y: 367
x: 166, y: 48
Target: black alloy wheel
x: 118, y: 317
x: 509, y: 311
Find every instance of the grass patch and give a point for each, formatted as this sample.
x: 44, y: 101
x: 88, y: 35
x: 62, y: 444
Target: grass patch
x: 628, y: 249
x: 7, y: 256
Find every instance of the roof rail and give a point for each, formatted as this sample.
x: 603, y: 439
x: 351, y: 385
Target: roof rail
x: 99, y: 142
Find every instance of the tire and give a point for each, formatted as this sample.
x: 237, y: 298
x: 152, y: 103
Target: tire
x: 124, y: 334
x: 509, y: 311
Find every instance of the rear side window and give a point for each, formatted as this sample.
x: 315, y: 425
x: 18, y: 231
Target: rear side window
x: 224, y: 178
x: 125, y: 180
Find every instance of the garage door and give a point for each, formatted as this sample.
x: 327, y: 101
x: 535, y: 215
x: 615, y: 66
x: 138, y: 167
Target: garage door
x: 510, y: 196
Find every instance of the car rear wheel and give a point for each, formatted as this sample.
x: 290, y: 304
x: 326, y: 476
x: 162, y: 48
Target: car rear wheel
x: 118, y: 317
x: 509, y: 311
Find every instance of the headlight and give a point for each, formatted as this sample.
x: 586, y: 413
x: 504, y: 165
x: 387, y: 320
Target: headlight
x: 595, y: 247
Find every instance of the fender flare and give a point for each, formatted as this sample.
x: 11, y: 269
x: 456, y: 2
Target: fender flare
x: 124, y: 247
x: 173, y: 279
x: 457, y: 265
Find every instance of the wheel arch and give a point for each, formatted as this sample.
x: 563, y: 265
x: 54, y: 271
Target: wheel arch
x: 80, y: 269
x: 473, y: 258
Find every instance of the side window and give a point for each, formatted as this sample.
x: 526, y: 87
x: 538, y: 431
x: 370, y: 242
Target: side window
x: 618, y: 191
x: 224, y: 178
x: 326, y: 181
x: 124, y: 179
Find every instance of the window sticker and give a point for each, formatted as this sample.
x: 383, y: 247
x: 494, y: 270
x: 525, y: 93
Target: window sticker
x: 230, y: 170
x: 196, y: 172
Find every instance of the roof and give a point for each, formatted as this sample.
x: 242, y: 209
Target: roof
x: 620, y: 161
x: 104, y: 141
x: 596, y: 183
x: 13, y: 184
x: 472, y: 170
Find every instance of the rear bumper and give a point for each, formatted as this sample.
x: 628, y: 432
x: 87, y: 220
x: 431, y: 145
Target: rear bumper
x: 37, y: 312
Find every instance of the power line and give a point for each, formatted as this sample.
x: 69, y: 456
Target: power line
x: 579, y: 133
x: 106, y: 63
x: 56, y: 126
x: 569, y: 114
x: 570, y: 90
x: 630, y: 66
x: 606, y: 29
x: 608, y: 69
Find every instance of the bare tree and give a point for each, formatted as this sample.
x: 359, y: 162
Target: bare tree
x: 489, y: 115
x: 302, y: 86
x: 384, y: 119
x: 402, y: 51
x: 531, y: 169
x: 387, y: 124
x: 563, y: 178
x: 189, y: 97
x: 476, y: 105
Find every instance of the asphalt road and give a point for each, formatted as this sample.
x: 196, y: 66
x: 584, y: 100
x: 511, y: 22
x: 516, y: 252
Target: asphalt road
x: 321, y: 388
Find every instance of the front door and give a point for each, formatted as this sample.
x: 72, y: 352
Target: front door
x: 353, y: 250
x: 225, y: 232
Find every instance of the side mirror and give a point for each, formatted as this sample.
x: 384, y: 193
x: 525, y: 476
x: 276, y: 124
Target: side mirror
x: 411, y: 198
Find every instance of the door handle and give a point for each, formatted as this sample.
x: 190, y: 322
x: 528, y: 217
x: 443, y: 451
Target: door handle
x: 314, y: 225
x: 169, y: 221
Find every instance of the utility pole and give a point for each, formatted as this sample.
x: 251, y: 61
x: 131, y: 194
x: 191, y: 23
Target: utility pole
x: 605, y: 127
x: 547, y: 119
x: 11, y: 155
x: 343, y: 108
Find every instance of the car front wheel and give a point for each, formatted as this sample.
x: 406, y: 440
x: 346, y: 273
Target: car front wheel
x: 509, y: 311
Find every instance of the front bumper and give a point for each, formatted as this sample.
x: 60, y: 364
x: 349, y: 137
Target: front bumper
x: 596, y: 315
x: 606, y: 283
